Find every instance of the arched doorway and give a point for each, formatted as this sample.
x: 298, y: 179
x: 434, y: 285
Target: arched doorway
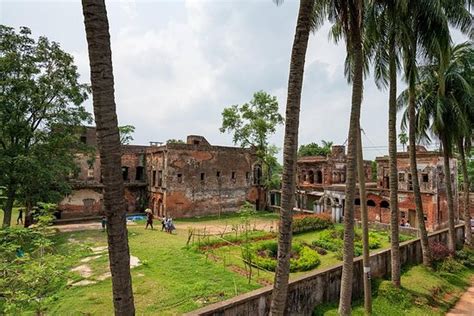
x: 161, y: 212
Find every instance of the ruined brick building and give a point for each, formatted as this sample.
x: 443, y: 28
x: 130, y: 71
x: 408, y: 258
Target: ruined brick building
x: 321, y: 187
x: 179, y: 180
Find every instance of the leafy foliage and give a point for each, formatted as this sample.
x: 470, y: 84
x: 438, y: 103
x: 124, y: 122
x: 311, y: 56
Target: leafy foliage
x: 40, y: 111
x: 313, y: 222
x: 303, y: 257
x: 32, y: 273
x: 175, y: 141
x: 439, y: 251
x: 313, y: 149
x: 251, y: 124
x: 126, y: 134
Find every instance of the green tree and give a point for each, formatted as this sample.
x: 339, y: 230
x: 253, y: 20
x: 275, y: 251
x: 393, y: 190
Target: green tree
x: 102, y: 79
x: 304, y: 24
x: 175, y: 141
x: 252, y: 123
x: 126, y: 134
x: 348, y: 18
x: 313, y: 149
x: 384, y: 35
x: 444, y: 108
x: 403, y: 138
x: 40, y: 107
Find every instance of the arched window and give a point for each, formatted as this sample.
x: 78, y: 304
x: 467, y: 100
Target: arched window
x: 319, y: 177
x: 384, y: 204
x: 370, y: 203
x: 311, y: 176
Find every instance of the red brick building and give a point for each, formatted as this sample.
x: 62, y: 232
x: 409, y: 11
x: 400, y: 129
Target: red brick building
x: 321, y: 187
x: 180, y: 180
x: 197, y: 178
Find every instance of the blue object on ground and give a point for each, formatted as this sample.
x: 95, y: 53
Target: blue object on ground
x: 136, y: 217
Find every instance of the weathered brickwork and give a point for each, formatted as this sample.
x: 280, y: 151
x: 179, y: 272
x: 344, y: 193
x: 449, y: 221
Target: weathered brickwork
x: 196, y: 178
x: 321, y: 188
x: 179, y: 180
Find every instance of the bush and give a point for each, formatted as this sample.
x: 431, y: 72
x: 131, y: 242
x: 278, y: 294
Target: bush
x: 466, y: 257
x: 313, y: 222
x: 450, y: 265
x: 439, y: 251
x: 264, y: 256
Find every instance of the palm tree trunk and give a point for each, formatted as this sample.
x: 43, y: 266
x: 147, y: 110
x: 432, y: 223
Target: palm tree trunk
x: 357, y: 89
x: 392, y: 153
x: 466, y: 211
x: 414, y: 176
x: 365, y: 227
x: 100, y: 58
x: 449, y: 193
x: 7, y: 210
x: 295, y: 83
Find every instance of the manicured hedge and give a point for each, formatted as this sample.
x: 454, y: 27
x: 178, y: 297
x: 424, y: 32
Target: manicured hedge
x: 264, y: 256
x: 311, y: 222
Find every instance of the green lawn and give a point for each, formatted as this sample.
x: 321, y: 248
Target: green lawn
x: 173, y: 278
x: 424, y: 292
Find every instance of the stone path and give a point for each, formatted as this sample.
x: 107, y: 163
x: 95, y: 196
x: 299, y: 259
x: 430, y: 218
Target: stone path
x: 85, y: 271
x: 465, y: 305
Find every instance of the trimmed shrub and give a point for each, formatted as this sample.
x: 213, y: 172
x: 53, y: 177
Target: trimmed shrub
x: 439, y: 251
x: 310, y: 222
x: 303, y: 258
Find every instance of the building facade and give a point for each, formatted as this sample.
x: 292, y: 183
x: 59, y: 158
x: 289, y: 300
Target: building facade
x: 177, y: 179
x: 321, y: 188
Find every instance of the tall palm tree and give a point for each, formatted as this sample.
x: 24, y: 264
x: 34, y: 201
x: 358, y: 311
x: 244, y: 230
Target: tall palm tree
x: 365, y: 227
x: 463, y: 147
x: 444, y: 95
x: 102, y: 79
x: 348, y: 17
x: 383, y: 37
x: 295, y: 83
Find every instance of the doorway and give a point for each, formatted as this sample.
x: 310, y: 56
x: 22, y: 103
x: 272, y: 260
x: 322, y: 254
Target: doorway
x: 412, y: 218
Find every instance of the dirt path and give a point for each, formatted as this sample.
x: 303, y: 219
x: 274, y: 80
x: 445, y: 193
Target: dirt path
x: 211, y: 228
x: 465, y: 305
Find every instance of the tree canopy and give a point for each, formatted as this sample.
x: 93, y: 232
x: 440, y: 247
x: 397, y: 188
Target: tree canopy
x: 252, y: 123
x: 313, y: 149
x: 40, y: 115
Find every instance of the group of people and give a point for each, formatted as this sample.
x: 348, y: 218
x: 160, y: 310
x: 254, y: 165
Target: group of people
x: 166, y: 222
x: 403, y: 224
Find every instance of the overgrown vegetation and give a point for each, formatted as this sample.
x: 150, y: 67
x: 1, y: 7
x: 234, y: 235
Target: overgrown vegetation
x: 313, y: 222
x: 423, y: 292
x: 303, y: 258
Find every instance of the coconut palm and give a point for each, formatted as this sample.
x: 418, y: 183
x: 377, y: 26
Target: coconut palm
x: 102, y: 79
x: 403, y: 138
x: 304, y: 25
x: 384, y: 33
x: 348, y: 17
x: 444, y: 108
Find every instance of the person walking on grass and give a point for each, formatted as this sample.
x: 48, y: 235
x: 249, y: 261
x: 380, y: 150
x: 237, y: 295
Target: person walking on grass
x: 163, y: 223
x: 104, y: 223
x: 149, y: 220
x: 20, y: 217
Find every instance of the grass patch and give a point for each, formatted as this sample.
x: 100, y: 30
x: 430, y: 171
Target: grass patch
x: 423, y: 292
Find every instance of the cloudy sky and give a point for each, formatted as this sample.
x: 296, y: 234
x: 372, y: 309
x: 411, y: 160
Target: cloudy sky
x: 177, y: 64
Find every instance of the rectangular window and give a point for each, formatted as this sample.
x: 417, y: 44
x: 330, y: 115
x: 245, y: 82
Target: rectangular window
x: 84, y: 139
x: 90, y: 173
x: 153, y: 178
x: 203, y: 176
x: 160, y: 178
x: 218, y: 174
x: 139, y: 174
x: 125, y: 173
x: 424, y: 177
x: 180, y: 178
x: 401, y: 177
x: 233, y: 175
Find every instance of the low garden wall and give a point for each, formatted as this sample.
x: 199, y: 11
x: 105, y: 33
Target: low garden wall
x: 323, y: 286
x: 410, y: 231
